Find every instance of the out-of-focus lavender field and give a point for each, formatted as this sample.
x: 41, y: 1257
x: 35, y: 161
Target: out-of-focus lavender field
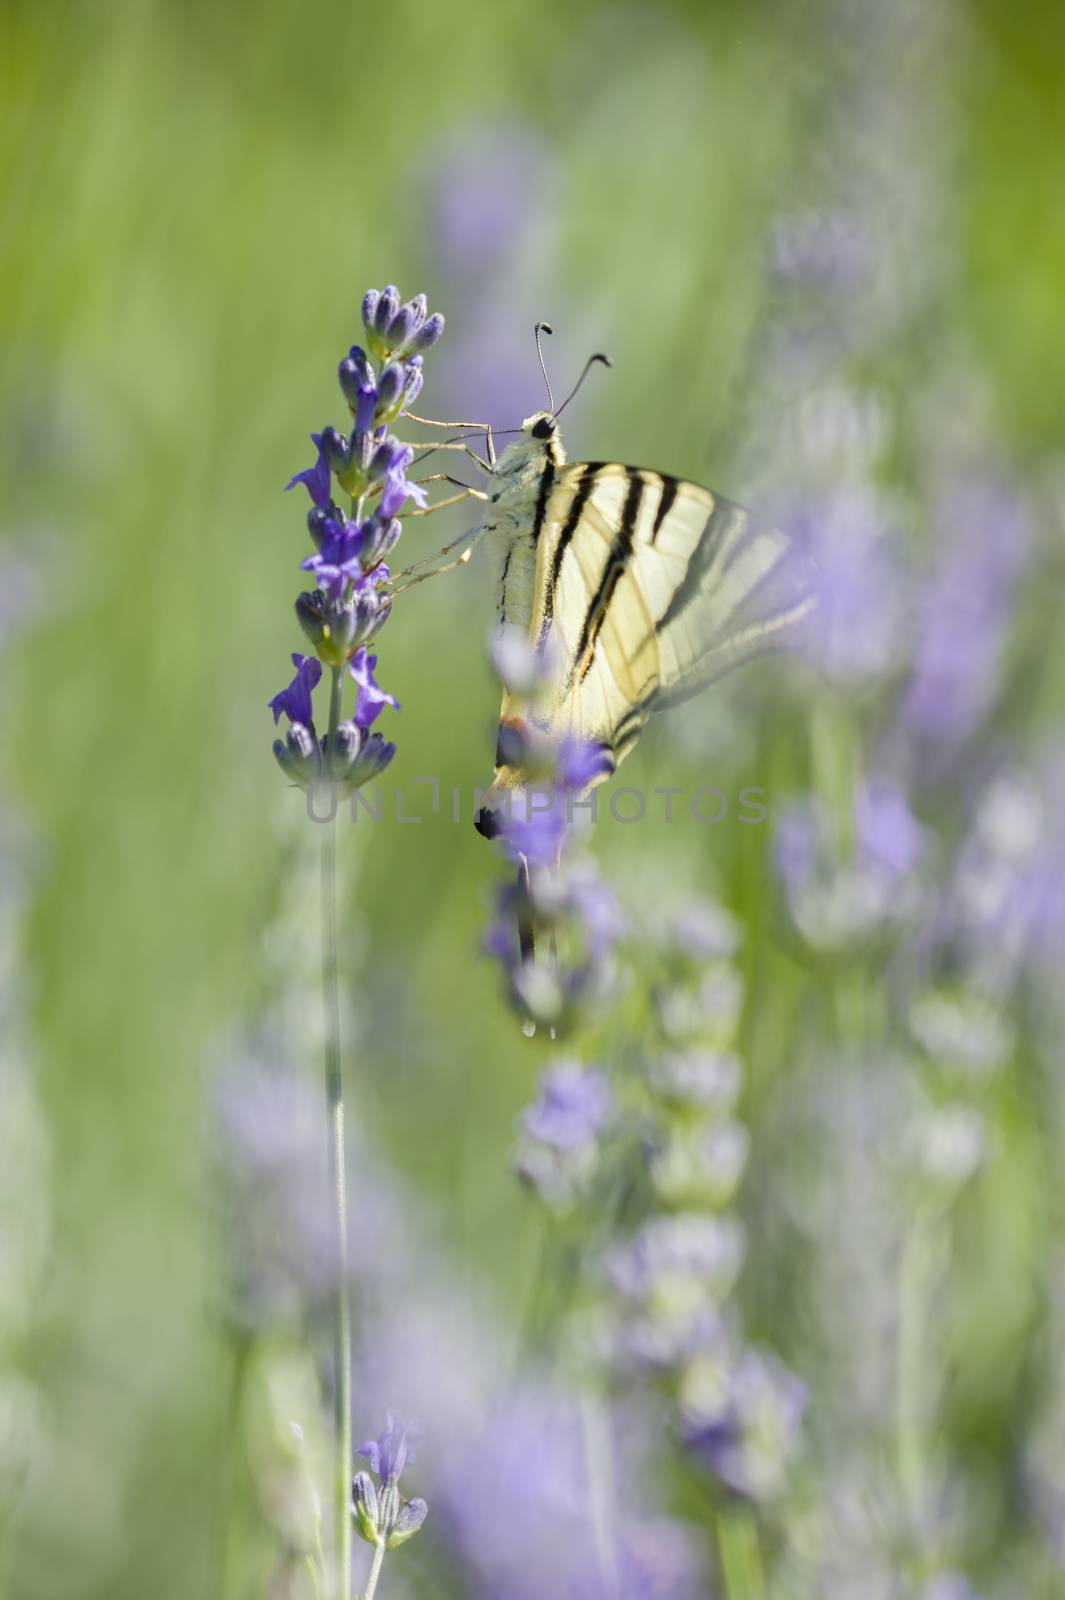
x: 751, y: 1285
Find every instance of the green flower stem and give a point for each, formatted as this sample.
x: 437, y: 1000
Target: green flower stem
x: 836, y: 762
x: 741, y: 1555
x: 375, y: 1571
x: 334, y: 1093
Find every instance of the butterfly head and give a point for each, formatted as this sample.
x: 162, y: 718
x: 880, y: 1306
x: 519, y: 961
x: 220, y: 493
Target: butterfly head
x: 538, y: 443
x: 541, y: 431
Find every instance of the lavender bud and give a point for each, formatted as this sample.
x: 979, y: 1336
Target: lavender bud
x: 355, y: 373
x: 415, y: 379
x: 298, y: 755
x: 371, y: 613
x: 389, y: 1503
x: 389, y: 389
x: 348, y: 623
x: 310, y: 615
x: 388, y: 456
x: 418, y: 307
x: 408, y: 1522
x: 364, y: 1507
x: 369, y: 308
x: 365, y: 407
x: 400, y: 328
x: 373, y: 758
x: 318, y: 525
x: 380, y: 540
x: 337, y: 450
x: 345, y: 751
x: 302, y: 744
x: 387, y: 306
x: 428, y: 333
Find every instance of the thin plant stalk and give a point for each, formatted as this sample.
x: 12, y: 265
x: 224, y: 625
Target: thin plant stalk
x: 375, y: 1571
x: 334, y: 1092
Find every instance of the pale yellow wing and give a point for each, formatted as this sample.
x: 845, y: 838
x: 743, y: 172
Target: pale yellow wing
x: 649, y: 588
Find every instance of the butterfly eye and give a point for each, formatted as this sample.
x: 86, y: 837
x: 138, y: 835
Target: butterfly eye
x: 544, y: 428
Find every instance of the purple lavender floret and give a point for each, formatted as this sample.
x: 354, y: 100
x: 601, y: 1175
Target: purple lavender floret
x: 316, y: 479
x: 295, y: 701
x: 370, y: 700
x: 394, y: 1449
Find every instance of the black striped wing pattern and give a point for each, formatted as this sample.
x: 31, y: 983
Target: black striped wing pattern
x: 650, y: 588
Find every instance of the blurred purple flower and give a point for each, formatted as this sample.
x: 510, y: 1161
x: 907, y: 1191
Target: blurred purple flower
x: 282, y: 1246
x: 890, y: 839
x: 701, y: 1079
x: 965, y: 609
x: 295, y: 701
x: 533, y: 825
x: 518, y: 1506
x: 575, y: 909
x: 580, y: 762
x: 751, y: 1445
x: 824, y: 248
x: 856, y: 572
x: 491, y: 193
x: 571, y: 1108
x: 485, y: 185
x: 949, y: 1586
x: 835, y: 897
x: 702, y: 930
x: 670, y: 1254
x: 1007, y: 899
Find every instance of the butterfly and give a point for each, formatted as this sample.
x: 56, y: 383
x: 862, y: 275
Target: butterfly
x: 645, y: 588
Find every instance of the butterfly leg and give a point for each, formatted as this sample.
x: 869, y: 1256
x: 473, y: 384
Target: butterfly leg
x: 466, y: 493
x: 432, y: 566
x: 479, y: 427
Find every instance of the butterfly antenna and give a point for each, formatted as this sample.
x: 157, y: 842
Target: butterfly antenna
x: 588, y: 365
x: 544, y: 327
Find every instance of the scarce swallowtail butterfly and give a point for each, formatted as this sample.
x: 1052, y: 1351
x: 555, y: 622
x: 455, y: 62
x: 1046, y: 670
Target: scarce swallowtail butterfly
x: 641, y: 588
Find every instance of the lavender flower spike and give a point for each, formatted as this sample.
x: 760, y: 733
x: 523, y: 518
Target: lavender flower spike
x: 382, y: 1517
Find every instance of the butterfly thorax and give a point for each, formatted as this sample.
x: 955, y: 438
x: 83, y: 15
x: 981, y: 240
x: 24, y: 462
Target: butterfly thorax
x: 522, y: 480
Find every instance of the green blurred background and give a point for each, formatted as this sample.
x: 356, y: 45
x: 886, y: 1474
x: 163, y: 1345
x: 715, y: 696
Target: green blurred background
x: 195, y: 198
